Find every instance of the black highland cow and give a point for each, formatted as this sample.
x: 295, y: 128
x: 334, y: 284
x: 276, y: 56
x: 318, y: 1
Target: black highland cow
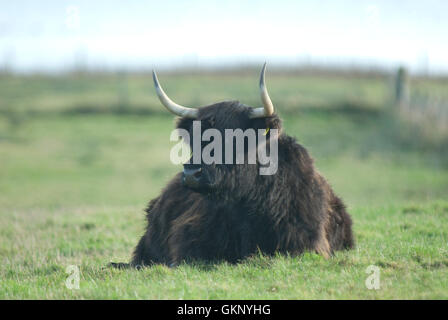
x: 228, y: 212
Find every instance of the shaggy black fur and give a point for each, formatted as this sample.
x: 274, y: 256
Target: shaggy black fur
x: 292, y: 211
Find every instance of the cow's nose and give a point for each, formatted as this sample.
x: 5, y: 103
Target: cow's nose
x: 192, y: 176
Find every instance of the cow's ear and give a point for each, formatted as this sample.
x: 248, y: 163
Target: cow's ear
x: 184, y: 123
x: 274, y: 123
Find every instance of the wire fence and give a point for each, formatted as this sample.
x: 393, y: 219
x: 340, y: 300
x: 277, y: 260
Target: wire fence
x: 426, y: 109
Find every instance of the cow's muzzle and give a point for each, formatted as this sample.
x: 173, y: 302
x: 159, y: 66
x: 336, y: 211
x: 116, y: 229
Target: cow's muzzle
x: 193, y: 177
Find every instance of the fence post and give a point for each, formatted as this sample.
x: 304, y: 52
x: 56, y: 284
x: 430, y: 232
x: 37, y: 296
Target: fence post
x: 401, y: 87
x: 123, y: 91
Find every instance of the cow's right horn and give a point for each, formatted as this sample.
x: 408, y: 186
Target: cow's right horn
x: 268, y: 107
x: 173, y: 107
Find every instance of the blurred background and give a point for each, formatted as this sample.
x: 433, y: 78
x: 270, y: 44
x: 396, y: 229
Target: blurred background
x: 362, y: 84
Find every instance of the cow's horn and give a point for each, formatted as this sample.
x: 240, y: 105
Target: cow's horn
x: 268, y: 107
x: 170, y: 105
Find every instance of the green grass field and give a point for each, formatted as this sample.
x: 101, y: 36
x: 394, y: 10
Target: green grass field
x: 81, y: 155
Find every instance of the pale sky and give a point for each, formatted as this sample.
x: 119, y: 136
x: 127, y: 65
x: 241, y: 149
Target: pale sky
x: 54, y: 35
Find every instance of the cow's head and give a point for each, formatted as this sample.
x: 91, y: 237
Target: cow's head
x: 221, y: 177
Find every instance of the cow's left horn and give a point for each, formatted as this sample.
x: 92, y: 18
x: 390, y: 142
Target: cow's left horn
x: 170, y: 105
x: 268, y: 107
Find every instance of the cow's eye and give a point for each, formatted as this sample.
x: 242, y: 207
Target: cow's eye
x: 211, y: 121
